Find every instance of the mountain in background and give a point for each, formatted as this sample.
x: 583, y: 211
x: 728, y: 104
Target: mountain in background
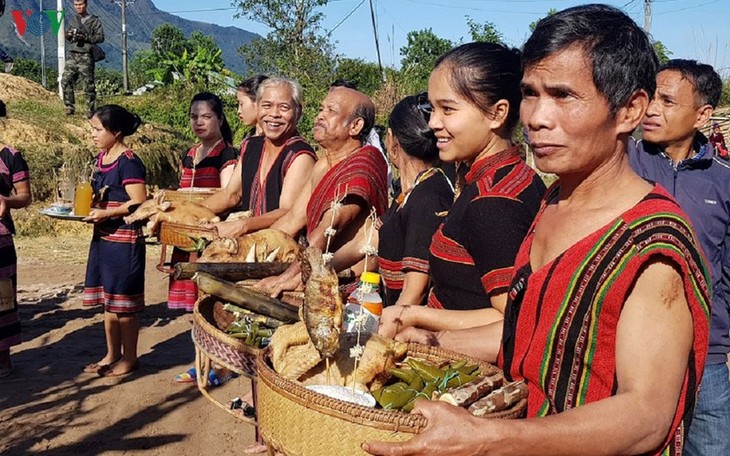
x: 142, y: 18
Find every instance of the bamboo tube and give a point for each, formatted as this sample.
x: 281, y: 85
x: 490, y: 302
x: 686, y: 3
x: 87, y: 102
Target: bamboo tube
x: 232, y: 272
x: 255, y: 302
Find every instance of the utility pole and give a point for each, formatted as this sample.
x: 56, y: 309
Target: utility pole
x: 43, y: 44
x: 647, y: 15
x: 61, y: 37
x: 377, y: 44
x: 125, y: 76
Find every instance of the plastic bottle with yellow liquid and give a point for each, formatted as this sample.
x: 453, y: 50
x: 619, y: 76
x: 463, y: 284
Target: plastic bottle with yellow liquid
x: 82, y: 198
x: 367, y: 297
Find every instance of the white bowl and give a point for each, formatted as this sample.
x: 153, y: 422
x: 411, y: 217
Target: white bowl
x: 345, y: 393
x: 61, y: 208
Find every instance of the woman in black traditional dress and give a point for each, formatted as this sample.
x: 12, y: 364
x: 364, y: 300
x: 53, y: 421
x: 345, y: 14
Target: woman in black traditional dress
x: 116, y: 264
x: 404, y: 232
x: 14, y: 194
x: 474, y: 91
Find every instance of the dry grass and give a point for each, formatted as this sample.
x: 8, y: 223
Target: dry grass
x: 66, y: 247
x: 36, y: 126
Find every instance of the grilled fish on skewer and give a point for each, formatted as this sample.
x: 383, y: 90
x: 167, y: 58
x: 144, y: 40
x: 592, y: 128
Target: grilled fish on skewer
x: 322, y: 309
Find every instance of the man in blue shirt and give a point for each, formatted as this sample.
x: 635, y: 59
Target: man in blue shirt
x: 676, y: 155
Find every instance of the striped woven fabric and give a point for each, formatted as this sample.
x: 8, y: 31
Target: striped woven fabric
x: 473, y: 252
x: 362, y: 174
x: 206, y: 173
x: 561, y: 320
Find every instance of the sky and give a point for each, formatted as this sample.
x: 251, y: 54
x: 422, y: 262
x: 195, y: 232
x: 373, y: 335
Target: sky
x: 692, y: 29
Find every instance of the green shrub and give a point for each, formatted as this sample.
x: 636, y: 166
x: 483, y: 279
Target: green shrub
x: 108, y: 81
x: 725, y: 96
x: 30, y: 69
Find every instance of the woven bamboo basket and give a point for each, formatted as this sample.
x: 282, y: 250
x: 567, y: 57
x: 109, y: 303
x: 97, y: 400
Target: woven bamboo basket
x: 299, y: 422
x: 194, y: 196
x: 213, y: 345
x: 184, y: 236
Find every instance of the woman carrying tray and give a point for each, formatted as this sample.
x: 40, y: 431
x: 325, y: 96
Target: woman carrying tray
x: 272, y: 168
x: 208, y: 164
x: 405, y: 230
x: 116, y: 264
x: 14, y: 194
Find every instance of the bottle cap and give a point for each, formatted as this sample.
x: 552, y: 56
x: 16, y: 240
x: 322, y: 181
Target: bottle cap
x: 370, y: 277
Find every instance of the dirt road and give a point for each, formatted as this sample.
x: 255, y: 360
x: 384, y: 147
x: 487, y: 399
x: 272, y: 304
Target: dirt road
x: 48, y: 406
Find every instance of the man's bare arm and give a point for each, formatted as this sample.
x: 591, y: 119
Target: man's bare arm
x: 229, y: 196
x: 295, y: 218
x: 352, y: 209
x: 296, y: 179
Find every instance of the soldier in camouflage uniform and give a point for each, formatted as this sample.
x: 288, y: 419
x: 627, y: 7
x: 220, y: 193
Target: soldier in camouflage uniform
x: 4, y: 57
x: 84, y: 31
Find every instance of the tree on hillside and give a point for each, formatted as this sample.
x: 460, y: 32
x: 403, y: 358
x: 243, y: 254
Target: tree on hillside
x: 172, y: 55
x: 486, y: 32
x: 533, y: 24
x: 420, y: 53
x: 296, y: 46
x: 167, y: 38
x: 365, y: 75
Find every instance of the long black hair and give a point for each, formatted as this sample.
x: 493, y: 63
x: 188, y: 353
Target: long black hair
x: 117, y: 119
x: 485, y: 73
x: 409, y: 123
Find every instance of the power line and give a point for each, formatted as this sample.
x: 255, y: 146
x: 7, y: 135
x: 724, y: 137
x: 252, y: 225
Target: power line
x: 346, y: 17
x: 687, y: 8
x: 390, y: 16
x: 192, y: 11
x: 145, y: 26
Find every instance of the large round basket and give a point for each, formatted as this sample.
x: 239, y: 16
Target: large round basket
x: 213, y: 344
x: 299, y: 422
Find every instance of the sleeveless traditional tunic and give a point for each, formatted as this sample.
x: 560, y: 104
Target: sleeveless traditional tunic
x: 259, y: 197
x: 560, y: 323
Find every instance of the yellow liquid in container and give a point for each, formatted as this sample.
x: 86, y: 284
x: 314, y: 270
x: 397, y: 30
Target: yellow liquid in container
x: 82, y: 199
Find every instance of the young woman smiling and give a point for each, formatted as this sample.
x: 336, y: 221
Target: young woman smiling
x: 474, y: 92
